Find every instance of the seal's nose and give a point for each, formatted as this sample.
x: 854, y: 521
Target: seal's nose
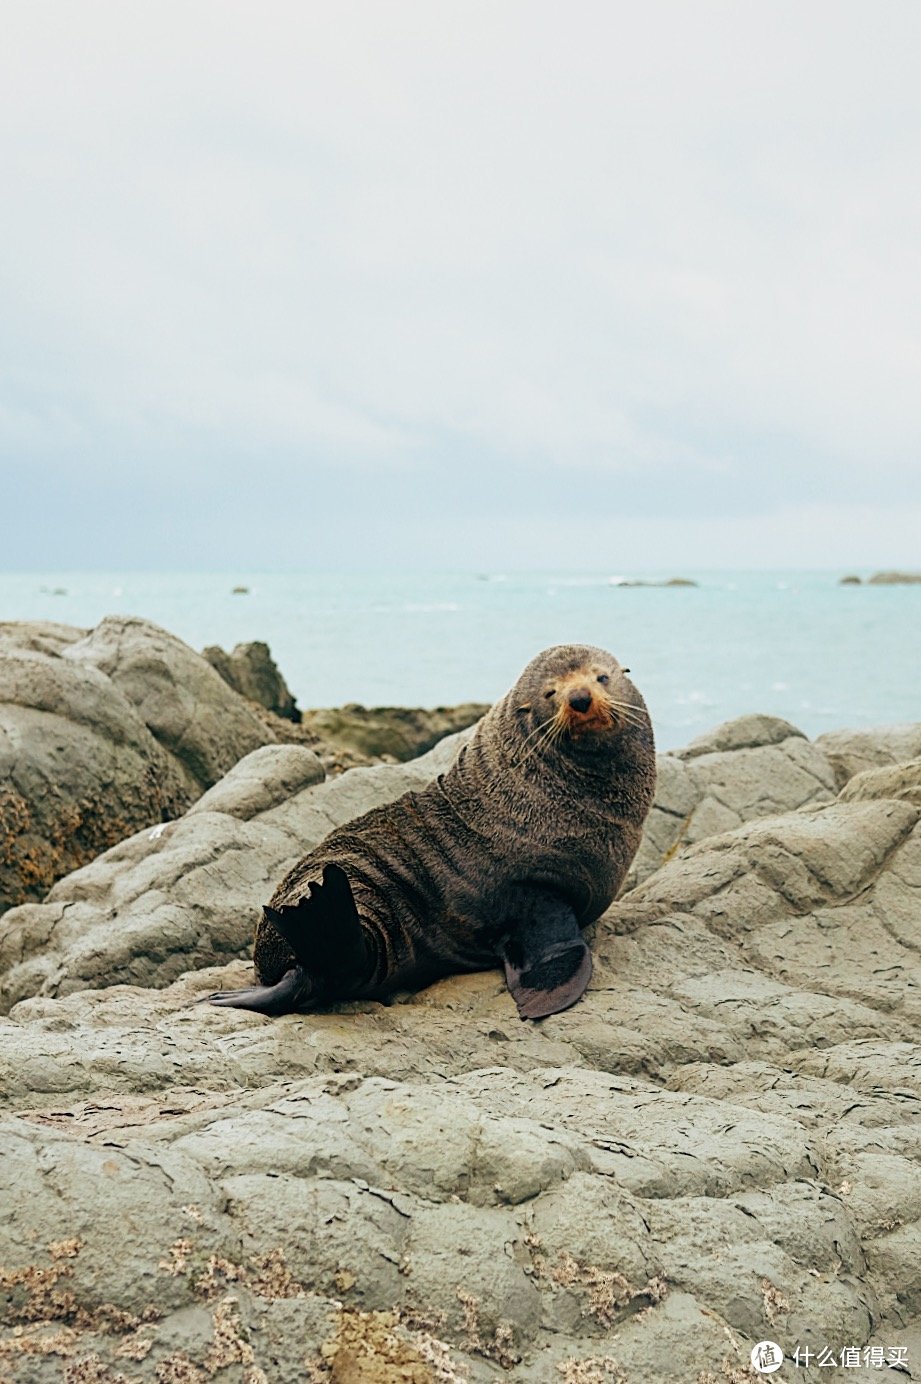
x: 580, y: 699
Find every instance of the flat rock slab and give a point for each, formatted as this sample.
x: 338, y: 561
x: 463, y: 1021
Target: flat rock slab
x: 720, y: 1144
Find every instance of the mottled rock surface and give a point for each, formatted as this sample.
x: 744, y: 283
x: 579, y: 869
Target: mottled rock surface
x: 720, y: 1143
x: 397, y: 733
x: 188, y: 708
x: 851, y: 751
x: 101, y: 732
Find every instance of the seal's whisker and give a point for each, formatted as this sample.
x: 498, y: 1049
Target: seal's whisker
x: 629, y: 713
x: 621, y: 706
x: 536, y: 731
x: 523, y: 758
x: 537, y: 747
x: 557, y: 726
x: 542, y: 725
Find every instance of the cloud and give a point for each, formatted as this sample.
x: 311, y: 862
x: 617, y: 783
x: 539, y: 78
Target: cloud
x: 414, y: 260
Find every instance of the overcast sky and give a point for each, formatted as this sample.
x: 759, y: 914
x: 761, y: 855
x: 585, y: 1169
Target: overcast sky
x: 460, y: 284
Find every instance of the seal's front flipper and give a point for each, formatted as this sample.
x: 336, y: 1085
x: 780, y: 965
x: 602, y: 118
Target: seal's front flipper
x: 547, y: 962
x: 550, y: 982
x: 293, y: 990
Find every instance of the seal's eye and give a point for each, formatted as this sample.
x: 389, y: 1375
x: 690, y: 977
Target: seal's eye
x: 551, y: 693
x: 603, y: 679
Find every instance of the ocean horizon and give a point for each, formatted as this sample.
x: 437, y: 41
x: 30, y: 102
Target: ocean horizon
x: 795, y: 644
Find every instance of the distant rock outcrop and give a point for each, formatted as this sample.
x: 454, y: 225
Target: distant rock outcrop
x: 671, y: 581
x: 895, y: 579
x: 393, y: 732
x: 251, y: 671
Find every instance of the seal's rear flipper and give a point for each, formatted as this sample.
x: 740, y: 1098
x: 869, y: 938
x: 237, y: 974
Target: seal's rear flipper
x: 547, y: 962
x: 287, y: 994
x: 323, y: 929
x: 324, y: 933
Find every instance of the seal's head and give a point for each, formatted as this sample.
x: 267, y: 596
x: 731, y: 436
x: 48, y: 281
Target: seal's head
x: 580, y: 693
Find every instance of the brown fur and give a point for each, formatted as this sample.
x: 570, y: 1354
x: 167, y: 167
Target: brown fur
x: 546, y: 801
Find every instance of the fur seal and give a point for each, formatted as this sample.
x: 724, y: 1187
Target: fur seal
x: 500, y: 861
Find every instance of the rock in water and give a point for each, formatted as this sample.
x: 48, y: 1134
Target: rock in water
x: 895, y: 579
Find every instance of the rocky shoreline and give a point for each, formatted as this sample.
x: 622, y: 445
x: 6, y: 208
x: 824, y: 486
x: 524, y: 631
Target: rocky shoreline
x: 720, y: 1144
x: 106, y: 730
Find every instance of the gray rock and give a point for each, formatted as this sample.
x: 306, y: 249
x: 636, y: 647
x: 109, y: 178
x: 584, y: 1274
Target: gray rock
x: 101, y: 733
x: 720, y: 1143
x: 891, y: 781
x: 752, y: 767
x: 41, y: 636
x: 183, y: 701
x: 262, y: 780
x: 849, y: 752
x: 745, y: 732
x: 79, y: 769
x: 251, y: 671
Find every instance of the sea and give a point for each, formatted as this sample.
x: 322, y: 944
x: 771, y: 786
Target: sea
x: 795, y: 644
